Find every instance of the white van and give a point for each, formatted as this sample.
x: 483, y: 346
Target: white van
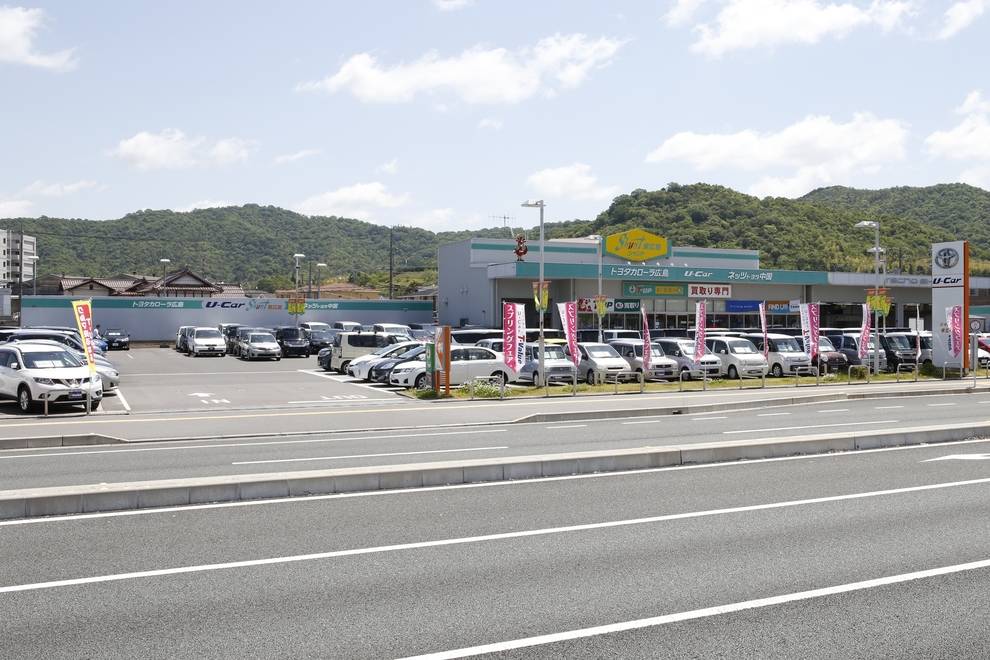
x: 349, y: 345
x: 392, y: 328
x: 739, y: 357
x: 785, y: 355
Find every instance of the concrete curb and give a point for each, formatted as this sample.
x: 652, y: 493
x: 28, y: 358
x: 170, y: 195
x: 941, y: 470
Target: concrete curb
x: 60, y: 441
x: 35, y: 502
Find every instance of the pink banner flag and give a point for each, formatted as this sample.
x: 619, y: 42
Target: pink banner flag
x: 568, y: 318
x: 953, y: 317
x: 647, y: 346
x: 700, y: 328
x: 513, y: 335
x: 763, y: 327
x: 814, y: 323
x: 864, y: 334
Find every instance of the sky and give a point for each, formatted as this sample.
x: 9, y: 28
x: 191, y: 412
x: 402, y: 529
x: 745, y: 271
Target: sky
x: 448, y: 114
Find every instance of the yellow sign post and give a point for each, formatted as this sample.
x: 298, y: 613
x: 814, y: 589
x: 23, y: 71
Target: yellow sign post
x: 637, y: 245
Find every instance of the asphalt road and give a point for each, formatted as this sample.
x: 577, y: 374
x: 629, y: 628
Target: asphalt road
x: 818, y: 557
x: 65, y: 466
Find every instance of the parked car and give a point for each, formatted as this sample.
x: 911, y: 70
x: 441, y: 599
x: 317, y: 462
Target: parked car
x: 392, y: 328
x: 556, y: 365
x: 99, y: 343
x: 117, y: 339
x: 319, y: 339
x: 258, y: 345
x: 470, y: 336
x: 292, y: 340
x: 739, y: 357
x: 600, y: 362
x: 549, y: 334
x: 785, y: 354
x: 182, y: 337
x: 466, y: 363
x: 347, y: 326
x: 64, y: 337
x: 349, y: 345
x: 241, y: 338
x: 847, y: 343
x: 229, y: 332
x: 360, y: 367
x: 109, y: 375
x: 608, y: 334
x: 381, y: 371
x: 914, y: 340
x: 898, y: 350
x: 631, y: 350
x: 31, y: 373
x: 205, y: 341
x: 314, y: 326
x: 829, y: 359
x: 681, y: 351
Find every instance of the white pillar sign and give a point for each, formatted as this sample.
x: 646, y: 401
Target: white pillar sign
x: 950, y: 289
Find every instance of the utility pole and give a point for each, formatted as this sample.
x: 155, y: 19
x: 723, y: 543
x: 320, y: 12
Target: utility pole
x: 391, y: 264
x: 309, y: 289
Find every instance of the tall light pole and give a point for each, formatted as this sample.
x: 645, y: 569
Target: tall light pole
x: 164, y: 261
x: 540, y: 205
x: 297, y: 256
x: 875, y: 226
x: 319, y: 278
x: 34, y: 272
x: 597, y: 238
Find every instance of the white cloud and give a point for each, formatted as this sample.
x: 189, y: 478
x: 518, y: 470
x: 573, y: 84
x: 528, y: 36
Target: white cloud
x: 203, y: 204
x: 59, y: 189
x: 490, y: 123
x: 682, y: 12
x: 743, y: 24
x: 977, y: 176
x: 970, y: 138
x: 18, y: 29
x: 816, y: 150
x: 573, y: 181
x: 297, y: 155
x: 960, y: 16
x: 452, y: 5
x: 173, y: 149
x: 435, y: 220
x: 15, y: 208
x: 391, y: 167
x: 360, y: 201
x: 477, y: 75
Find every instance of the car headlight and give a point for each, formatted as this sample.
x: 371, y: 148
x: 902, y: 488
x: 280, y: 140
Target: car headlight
x: 44, y: 381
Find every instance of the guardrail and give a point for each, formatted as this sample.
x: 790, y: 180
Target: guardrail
x: 685, y: 374
x: 858, y: 367
x: 616, y: 377
x: 762, y: 377
x: 907, y: 367
x: 490, y: 380
x: 807, y: 371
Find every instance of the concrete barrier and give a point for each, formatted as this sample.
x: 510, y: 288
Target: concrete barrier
x: 86, y: 439
x: 34, y: 502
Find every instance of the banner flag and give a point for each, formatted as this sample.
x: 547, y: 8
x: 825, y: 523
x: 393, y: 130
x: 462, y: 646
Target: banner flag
x: 541, y: 298
x: 513, y: 335
x: 82, y: 310
x: 763, y: 327
x: 814, y: 325
x: 700, y: 328
x: 647, y: 346
x: 953, y: 318
x: 864, y: 333
x: 568, y: 318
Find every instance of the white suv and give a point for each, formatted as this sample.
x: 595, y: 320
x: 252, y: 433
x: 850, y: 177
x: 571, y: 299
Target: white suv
x: 206, y: 341
x: 31, y: 373
x: 466, y: 362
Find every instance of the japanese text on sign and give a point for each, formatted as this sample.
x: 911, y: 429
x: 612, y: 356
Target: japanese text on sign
x: 709, y: 291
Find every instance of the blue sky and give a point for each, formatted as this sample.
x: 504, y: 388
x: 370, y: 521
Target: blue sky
x: 444, y: 113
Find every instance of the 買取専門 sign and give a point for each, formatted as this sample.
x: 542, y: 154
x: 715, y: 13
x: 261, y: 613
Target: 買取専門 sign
x: 950, y: 288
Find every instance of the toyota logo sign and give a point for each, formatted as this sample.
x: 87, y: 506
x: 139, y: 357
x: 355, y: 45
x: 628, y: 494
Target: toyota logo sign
x: 946, y: 258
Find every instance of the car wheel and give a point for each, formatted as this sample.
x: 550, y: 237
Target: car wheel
x: 278, y: 358
x: 223, y: 354
x: 590, y: 377
x: 93, y: 405
x: 777, y: 371
x: 500, y: 378
x: 732, y: 373
x: 686, y: 372
x: 421, y: 382
x: 24, y: 403
x: 343, y: 368
x: 536, y: 380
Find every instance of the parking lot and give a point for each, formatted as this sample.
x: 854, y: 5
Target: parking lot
x: 163, y: 380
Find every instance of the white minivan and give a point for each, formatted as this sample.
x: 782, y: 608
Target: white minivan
x: 739, y: 357
x: 349, y: 345
x: 785, y: 354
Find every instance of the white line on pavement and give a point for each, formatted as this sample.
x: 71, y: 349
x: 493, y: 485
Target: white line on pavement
x: 888, y: 407
x: 130, y: 356
x: 833, y: 410
x: 641, y: 421
x: 772, y: 414
x: 79, y: 517
x: 938, y: 405
x: 701, y: 419
x: 757, y: 603
x: 341, y: 458
x: 570, y: 426
x: 250, y: 444
x: 812, y: 426
x: 200, y: 373
x: 546, y: 531
x: 123, y: 401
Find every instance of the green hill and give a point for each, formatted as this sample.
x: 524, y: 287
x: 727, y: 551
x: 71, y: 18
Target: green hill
x: 254, y: 244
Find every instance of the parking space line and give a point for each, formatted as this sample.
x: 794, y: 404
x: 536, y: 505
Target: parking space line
x: 812, y: 426
x: 123, y: 401
x: 341, y: 458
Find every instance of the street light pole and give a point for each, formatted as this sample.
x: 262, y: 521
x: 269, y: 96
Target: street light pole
x: 319, y: 278
x: 164, y: 262
x: 875, y: 226
x: 539, y: 204
x: 297, y: 256
x: 34, y: 272
x: 598, y: 243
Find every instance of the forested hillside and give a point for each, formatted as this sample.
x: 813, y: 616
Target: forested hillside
x: 253, y: 245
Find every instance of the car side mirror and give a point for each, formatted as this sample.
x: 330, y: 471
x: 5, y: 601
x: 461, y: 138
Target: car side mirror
x: 722, y: 351
x: 15, y: 365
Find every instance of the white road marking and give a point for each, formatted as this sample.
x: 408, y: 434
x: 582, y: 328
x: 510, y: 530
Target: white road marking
x: 701, y: 419
x: 201, y: 394
x: 833, y: 410
x: 546, y: 531
x: 812, y: 426
x: 960, y: 457
x: 203, y: 373
x: 337, y: 397
x: 773, y: 414
x: 78, y: 517
x: 641, y: 421
x: 247, y: 444
x: 540, y: 640
x: 938, y: 405
x: 123, y: 401
x: 570, y: 426
x: 129, y: 355
x: 888, y: 407
x: 341, y: 458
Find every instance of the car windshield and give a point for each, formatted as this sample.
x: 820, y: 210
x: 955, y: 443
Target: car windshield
x: 50, y: 360
x: 788, y: 345
x: 655, y: 351
x: 208, y: 334
x: 261, y: 337
x: 741, y: 347
x: 319, y: 334
x: 825, y: 345
x: 687, y: 347
x: 318, y: 327
x: 899, y: 341
x: 602, y: 351
x: 292, y: 333
x: 550, y: 353
x: 408, y: 355
x: 385, y: 350
x: 926, y: 343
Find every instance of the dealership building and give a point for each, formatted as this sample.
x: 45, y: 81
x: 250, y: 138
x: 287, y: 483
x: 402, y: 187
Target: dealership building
x: 477, y: 275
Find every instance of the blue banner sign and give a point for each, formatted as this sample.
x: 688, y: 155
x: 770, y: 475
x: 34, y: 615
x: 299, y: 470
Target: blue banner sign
x: 742, y: 306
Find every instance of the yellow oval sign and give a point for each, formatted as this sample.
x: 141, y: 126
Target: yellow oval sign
x: 637, y: 245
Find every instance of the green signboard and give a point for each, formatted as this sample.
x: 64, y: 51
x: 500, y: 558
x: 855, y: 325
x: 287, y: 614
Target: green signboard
x: 650, y: 290
x: 642, y: 273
